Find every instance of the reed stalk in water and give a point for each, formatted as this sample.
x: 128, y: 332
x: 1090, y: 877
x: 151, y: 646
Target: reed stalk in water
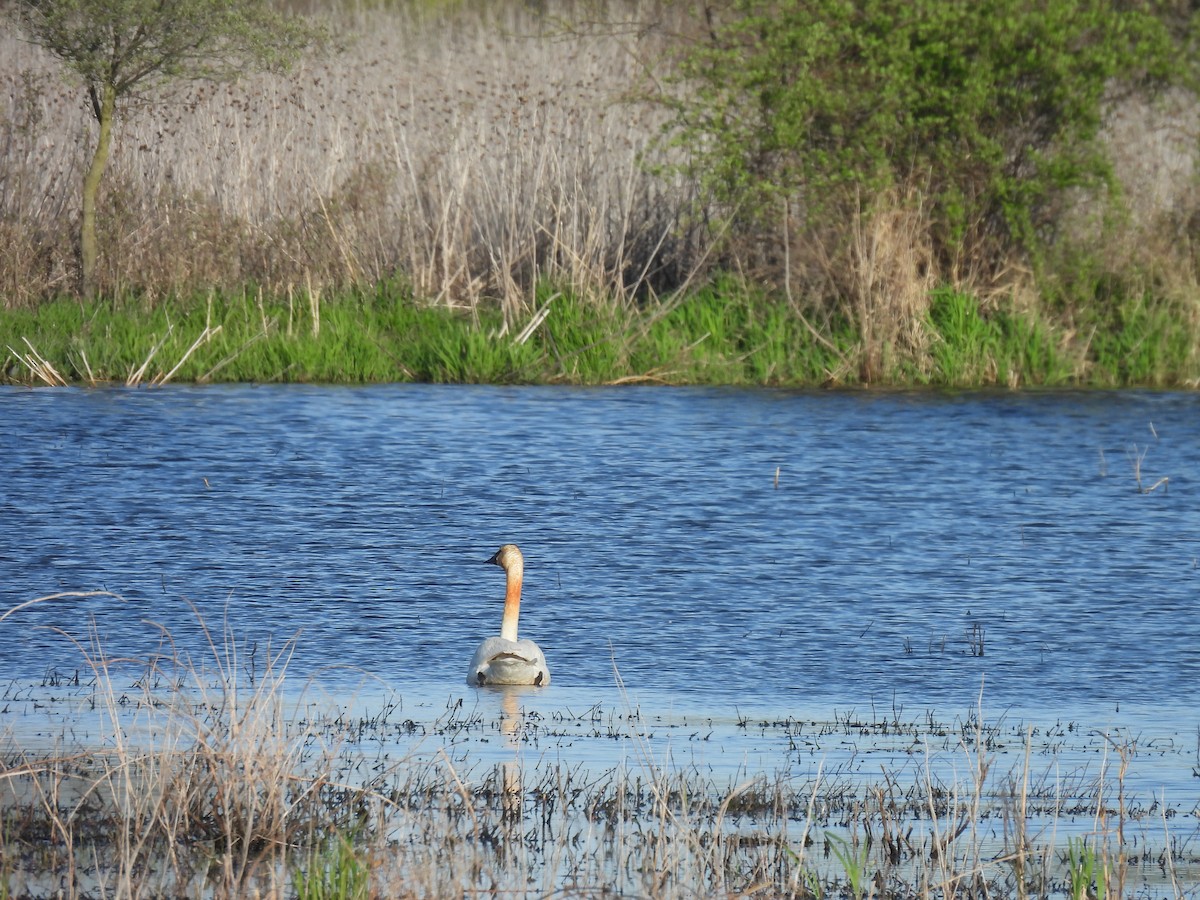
x: 210, y: 774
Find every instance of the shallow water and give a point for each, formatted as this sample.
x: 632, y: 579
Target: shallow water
x: 735, y: 555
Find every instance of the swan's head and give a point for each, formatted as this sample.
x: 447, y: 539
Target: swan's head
x: 509, y: 558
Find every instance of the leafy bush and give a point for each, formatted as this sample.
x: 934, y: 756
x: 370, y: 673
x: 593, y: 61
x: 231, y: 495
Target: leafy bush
x: 989, y: 108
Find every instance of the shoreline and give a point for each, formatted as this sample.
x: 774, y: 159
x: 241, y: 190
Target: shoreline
x: 719, y: 335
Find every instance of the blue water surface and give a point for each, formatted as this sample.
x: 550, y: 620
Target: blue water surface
x: 760, y: 548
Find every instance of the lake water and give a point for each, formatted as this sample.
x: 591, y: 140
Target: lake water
x: 736, y: 555
x: 654, y: 531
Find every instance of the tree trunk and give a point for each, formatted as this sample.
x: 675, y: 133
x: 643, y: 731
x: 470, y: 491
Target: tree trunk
x: 104, y: 105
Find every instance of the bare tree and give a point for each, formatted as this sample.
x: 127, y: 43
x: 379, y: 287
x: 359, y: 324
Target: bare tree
x: 124, y: 48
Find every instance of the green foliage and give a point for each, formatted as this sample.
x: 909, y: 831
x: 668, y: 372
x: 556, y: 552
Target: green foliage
x: 728, y: 333
x: 991, y: 109
x: 1004, y: 348
x: 1138, y: 338
x: 854, y: 858
x: 735, y: 334
x: 338, y: 872
x: 1088, y: 871
x: 721, y: 335
x: 128, y: 45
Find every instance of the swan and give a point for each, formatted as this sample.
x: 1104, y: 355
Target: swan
x: 504, y: 659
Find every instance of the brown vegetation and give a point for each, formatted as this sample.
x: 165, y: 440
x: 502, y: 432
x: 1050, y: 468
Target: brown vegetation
x: 470, y: 156
x: 217, y: 780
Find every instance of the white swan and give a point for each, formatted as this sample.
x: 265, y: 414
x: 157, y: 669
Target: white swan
x: 504, y: 659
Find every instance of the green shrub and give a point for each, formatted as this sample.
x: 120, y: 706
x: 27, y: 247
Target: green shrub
x: 990, y: 108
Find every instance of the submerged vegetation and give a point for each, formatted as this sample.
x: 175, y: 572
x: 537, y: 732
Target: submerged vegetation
x: 735, y: 191
x: 189, y: 776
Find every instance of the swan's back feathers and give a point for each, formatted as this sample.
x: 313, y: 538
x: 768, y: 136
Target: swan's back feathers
x: 501, y: 661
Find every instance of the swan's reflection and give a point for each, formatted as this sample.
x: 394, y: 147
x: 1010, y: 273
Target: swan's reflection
x: 511, y: 721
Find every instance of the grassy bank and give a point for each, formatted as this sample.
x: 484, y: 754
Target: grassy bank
x: 724, y: 334
x: 378, y: 337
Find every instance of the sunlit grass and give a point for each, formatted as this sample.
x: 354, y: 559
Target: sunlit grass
x: 726, y: 333
x: 712, y: 337
x: 337, y: 871
x: 1003, y: 347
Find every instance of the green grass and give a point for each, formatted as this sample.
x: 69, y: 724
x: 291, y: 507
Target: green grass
x: 854, y: 858
x: 730, y: 335
x: 710, y: 337
x: 970, y: 348
x: 338, y: 871
x: 354, y: 339
x: 1086, y: 869
x: 725, y: 333
x: 1143, y: 341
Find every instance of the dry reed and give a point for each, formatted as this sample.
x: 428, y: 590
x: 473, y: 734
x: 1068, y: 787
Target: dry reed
x: 473, y: 154
x: 211, y: 776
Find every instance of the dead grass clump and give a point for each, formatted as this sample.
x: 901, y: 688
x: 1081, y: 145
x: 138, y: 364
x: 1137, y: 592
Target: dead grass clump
x: 335, y: 242
x: 891, y: 273
x: 200, y: 780
x: 145, y: 235
x: 874, y: 266
x: 34, y: 265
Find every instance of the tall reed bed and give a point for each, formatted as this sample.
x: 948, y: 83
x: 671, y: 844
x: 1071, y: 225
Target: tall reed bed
x: 207, y: 774
x: 472, y: 152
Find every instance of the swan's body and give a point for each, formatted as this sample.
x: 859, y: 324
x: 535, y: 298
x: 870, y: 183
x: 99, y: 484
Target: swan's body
x: 498, y: 661
x: 505, y: 659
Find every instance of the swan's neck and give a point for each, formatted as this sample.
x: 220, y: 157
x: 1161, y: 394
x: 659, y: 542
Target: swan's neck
x: 512, y: 605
